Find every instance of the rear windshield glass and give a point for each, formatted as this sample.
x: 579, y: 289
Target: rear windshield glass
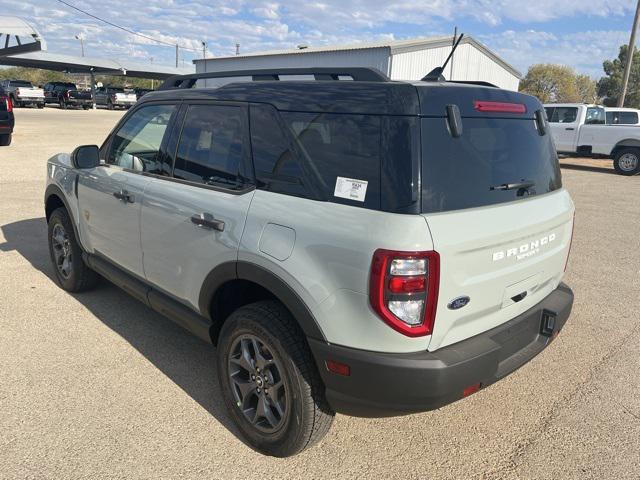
x: 472, y: 170
x: 21, y: 84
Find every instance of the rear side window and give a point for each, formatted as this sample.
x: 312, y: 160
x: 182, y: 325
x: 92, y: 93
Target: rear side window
x: 460, y: 172
x: 379, y: 150
x: 212, y: 146
x: 562, y: 114
x: 276, y: 164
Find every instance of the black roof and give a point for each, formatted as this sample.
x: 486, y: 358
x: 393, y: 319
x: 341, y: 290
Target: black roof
x: 370, y: 92
x: 388, y: 98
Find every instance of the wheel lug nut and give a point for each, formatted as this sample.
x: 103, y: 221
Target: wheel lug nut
x: 266, y: 392
x: 258, y: 390
x: 253, y: 377
x: 266, y: 379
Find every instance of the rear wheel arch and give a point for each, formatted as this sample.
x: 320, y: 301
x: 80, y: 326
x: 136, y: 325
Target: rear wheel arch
x: 232, y: 285
x: 626, y: 143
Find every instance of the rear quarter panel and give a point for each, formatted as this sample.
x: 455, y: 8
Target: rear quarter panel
x: 329, y: 263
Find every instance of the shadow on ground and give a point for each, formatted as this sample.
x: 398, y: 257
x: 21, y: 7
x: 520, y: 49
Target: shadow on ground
x: 188, y: 361
x: 587, y: 168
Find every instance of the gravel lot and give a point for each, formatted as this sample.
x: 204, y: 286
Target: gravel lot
x: 99, y: 386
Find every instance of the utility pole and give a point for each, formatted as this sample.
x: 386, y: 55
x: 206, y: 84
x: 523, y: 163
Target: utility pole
x: 627, y: 67
x: 204, y: 49
x: 237, y: 49
x: 176, y: 55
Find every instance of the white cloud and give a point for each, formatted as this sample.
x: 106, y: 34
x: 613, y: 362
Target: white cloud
x: 584, y: 51
x: 268, y: 24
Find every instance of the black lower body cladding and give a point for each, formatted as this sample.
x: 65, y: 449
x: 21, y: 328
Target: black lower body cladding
x: 382, y: 384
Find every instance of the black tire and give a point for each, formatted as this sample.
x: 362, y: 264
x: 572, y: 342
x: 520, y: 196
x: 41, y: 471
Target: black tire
x: 79, y: 277
x: 306, y: 417
x: 5, y: 140
x: 86, y: 107
x: 626, y: 161
x: 110, y: 105
x: 41, y: 105
x: 63, y: 104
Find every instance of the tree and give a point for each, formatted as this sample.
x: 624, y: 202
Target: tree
x: 610, y: 86
x: 558, y: 84
x: 33, y: 75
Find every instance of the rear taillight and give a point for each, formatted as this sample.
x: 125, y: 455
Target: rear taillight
x: 504, y: 107
x: 8, y: 103
x: 403, y: 290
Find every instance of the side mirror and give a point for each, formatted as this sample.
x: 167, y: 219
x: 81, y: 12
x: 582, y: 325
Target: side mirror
x: 86, y: 156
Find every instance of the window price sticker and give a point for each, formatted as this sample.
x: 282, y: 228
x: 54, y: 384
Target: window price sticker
x: 351, y: 189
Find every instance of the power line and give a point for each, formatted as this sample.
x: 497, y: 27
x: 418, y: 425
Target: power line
x: 126, y: 29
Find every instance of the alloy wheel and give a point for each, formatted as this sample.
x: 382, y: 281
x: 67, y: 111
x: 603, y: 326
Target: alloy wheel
x: 62, y: 251
x: 255, y: 376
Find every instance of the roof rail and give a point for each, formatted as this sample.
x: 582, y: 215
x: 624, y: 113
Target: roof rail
x: 361, y: 74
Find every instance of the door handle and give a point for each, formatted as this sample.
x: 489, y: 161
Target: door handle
x: 206, y: 220
x: 124, y: 196
x: 569, y: 128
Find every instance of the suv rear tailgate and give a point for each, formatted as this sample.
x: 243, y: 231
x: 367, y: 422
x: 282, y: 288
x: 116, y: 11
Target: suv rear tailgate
x: 493, y: 199
x: 505, y: 258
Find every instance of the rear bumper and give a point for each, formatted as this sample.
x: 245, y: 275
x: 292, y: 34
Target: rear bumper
x: 79, y: 101
x: 382, y: 384
x: 31, y: 99
x: 6, y: 126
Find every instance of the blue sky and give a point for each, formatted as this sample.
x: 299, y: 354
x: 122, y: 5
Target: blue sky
x: 578, y: 33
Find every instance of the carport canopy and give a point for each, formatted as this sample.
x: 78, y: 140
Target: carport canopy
x: 18, y: 36
x: 92, y: 65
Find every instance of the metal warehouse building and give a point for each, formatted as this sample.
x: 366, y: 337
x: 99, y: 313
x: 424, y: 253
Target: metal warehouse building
x: 400, y: 60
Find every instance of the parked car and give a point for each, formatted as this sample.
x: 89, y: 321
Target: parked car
x: 66, y: 95
x: 7, y: 120
x: 582, y: 130
x: 622, y: 116
x: 140, y: 92
x: 368, y: 247
x: 23, y: 93
x: 114, y: 97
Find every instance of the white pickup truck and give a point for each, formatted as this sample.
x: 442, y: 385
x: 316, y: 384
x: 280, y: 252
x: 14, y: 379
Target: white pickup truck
x: 23, y: 93
x: 581, y: 130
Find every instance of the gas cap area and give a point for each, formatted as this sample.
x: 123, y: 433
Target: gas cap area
x: 277, y: 241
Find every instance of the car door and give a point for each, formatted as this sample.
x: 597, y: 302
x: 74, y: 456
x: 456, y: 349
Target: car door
x: 564, y: 127
x: 110, y: 195
x: 193, y: 221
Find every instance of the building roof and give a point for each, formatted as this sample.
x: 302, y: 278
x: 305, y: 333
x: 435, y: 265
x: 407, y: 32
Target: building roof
x: 73, y: 64
x: 394, y: 47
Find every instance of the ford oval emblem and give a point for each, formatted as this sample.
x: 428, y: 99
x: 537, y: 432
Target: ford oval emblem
x: 458, y: 302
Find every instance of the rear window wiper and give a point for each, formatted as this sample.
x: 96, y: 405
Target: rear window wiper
x: 524, y: 184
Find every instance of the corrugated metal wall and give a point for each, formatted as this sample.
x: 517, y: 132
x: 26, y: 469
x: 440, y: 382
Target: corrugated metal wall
x: 469, y: 63
x: 374, y: 57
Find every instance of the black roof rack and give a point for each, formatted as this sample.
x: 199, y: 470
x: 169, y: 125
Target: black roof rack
x: 361, y: 74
